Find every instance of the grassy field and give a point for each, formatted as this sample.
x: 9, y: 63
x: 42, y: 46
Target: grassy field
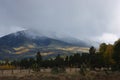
x: 69, y: 75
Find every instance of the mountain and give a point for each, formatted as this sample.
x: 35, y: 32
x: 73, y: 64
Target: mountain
x: 21, y: 38
x: 26, y: 43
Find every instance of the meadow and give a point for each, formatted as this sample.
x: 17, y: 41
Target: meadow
x: 69, y: 74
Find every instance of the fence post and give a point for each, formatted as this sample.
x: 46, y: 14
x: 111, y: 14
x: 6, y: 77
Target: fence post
x: 29, y: 70
x: 20, y: 70
x: 12, y: 71
x: 2, y: 72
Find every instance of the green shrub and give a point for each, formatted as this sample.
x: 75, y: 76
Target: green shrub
x: 83, y: 70
x: 55, y: 70
x: 36, y: 67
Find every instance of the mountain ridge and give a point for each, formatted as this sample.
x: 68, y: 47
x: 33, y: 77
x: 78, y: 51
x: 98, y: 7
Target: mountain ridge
x: 25, y: 43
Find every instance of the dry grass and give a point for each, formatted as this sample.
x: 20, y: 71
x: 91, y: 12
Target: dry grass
x: 92, y: 75
x: 6, y: 67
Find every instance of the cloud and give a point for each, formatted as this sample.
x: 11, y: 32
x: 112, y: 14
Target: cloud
x: 8, y: 30
x: 79, y: 18
x: 108, y: 38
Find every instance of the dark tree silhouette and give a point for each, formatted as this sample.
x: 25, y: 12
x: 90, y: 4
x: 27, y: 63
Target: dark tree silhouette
x: 39, y: 59
x: 66, y: 61
x: 92, y: 50
x: 92, y: 57
x: 116, y: 54
x: 59, y: 62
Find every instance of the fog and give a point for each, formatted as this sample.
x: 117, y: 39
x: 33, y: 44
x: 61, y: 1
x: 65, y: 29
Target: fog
x: 96, y: 20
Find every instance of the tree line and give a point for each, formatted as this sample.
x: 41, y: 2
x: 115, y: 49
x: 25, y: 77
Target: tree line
x: 108, y: 57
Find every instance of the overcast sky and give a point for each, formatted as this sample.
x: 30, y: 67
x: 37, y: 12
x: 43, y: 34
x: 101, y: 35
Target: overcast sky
x: 97, y: 20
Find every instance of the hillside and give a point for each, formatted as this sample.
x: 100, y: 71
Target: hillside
x: 25, y: 44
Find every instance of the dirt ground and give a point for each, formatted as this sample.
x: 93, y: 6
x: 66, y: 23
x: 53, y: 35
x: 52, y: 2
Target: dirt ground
x: 72, y: 74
